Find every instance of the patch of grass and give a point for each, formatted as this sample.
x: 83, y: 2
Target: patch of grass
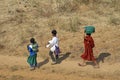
x: 26, y: 54
x: 115, y: 21
x: 116, y: 4
x: 3, y: 77
x: 99, y: 76
x: 17, y: 77
x: 23, y: 39
x: 72, y: 56
x: 71, y: 46
x: 74, y: 24
x: 53, y: 21
x: 14, y: 68
x: 53, y: 71
x: 67, y: 5
x: 44, y: 9
x: 2, y: 46
x: 44, y: 56
x: 43, y: 68
x: 71, y: 25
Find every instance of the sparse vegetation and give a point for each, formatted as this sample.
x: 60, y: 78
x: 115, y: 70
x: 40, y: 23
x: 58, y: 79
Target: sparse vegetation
x: 115, y: 21
x: 22, y: 19
x: 14, y: 68
x: 16, y: 77
x: 34, y: 18
x: 3, y: 77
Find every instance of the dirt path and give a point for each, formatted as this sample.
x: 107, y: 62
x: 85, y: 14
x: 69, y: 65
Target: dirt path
x: 16, y: 68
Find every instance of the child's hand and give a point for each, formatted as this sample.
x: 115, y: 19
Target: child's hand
x: 48, y: 45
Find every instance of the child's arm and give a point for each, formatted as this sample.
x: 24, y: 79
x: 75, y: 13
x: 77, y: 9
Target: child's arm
x: 48, y: 44
x: 52, y: 42
x: 29, y: 48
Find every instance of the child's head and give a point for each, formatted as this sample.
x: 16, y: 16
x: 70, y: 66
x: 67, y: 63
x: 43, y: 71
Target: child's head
x: 32, y: 40
x: 54, y: 32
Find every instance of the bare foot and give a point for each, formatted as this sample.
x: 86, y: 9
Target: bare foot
x: 53, y: 63
x: 32, y: 68
x: 81, y: 64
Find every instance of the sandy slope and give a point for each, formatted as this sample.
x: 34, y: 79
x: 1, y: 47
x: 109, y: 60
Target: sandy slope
x: 17, y: 19
x: 16, y: 68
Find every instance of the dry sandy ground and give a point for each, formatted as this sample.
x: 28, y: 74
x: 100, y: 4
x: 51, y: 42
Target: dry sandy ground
x: 16, y: 68
x: 21, y: 20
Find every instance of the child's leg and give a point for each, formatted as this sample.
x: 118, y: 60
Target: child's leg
x: 96, y: 64
x: 52, y: 56
x: 57, y: 57
x: 83, y: 64
x: 36, y: 60
x: 32, y: 67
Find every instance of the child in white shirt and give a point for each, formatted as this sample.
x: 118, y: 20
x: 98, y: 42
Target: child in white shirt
x: 54, y: 47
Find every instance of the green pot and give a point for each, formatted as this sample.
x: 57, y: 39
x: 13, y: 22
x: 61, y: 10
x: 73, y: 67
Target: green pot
x: 89, y: 29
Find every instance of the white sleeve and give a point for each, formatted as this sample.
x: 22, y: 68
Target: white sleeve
x: 53, y: 41
x: 30, y: 46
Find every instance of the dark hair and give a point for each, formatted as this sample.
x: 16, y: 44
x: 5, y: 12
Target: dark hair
x: 54, y: 32
x: 88, y: 34
x: 32, y: 40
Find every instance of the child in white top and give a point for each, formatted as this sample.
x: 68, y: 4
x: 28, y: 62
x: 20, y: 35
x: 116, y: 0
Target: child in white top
x: 54, y: 47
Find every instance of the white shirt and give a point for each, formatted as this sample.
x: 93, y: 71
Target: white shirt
x: 52, y: 43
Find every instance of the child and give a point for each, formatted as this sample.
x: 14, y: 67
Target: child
x: 33, y: 49
x: 88, y: 53
x: 54, y: 47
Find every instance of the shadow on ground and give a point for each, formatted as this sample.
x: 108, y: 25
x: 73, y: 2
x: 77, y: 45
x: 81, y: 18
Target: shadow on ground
x: 43, y: 63
x: 100, y: 58
x: 64, y: 56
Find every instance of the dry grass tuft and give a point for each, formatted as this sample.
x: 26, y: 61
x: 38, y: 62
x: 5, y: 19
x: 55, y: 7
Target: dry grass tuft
x: 14, y: 68
x: 17, y: 77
